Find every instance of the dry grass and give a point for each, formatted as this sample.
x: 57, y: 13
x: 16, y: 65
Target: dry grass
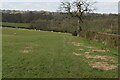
x: 96, y: 57
x: 99, y: 65
x: 77, y: 54
x: 103, y: 66
x: 81, y: 49
x: 87, y: 52
x: 100, y: 50
x: 27, y: 49
x: 77, y: 44
x: 90, y: 47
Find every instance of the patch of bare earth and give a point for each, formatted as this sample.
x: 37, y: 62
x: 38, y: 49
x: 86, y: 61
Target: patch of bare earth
x: 103, y: 65
x: 77, y: 44
x: 77, y: 54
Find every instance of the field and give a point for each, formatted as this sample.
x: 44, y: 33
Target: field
x: 43, y: 54
x: 15, y: 24
x: 0, y: 52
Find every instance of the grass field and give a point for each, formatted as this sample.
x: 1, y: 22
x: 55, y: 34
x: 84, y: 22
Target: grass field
x: 42, y: 54
x: 0, y: 53
x: 16, y: 24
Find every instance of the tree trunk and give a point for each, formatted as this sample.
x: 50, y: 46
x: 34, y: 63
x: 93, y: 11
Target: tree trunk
x: 78, y: 28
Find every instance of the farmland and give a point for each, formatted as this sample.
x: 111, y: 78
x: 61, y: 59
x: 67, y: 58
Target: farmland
x: 44, y: 54
x: 15, y: 24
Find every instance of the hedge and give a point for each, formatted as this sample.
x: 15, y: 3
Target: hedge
x: 107, y: 39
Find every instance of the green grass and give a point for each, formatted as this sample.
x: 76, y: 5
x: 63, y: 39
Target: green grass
x: 16, y: 24
x: 42, y: 54
x: 0, y: 53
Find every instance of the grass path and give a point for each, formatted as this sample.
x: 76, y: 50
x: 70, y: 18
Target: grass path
x: 40, y: 54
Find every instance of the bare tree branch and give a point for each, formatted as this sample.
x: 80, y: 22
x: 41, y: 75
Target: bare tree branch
x: 77, y: 8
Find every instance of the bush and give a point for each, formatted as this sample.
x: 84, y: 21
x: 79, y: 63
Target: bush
x: 74, y: 33
x: 107, y: 39
x: 66, y: 26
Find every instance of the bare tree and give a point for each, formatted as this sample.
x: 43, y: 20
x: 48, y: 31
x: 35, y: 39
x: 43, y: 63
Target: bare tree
x: 77, y: 8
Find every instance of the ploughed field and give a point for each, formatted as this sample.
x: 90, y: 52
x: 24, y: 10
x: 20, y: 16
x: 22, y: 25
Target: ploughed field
x: 43, y: 54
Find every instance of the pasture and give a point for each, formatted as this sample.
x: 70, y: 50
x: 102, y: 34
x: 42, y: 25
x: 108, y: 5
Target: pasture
x: 16, y: 24
x: 43, y: 54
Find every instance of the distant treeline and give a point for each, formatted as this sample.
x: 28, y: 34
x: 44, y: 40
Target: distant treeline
x: 24, y: 16
x: 62, y: 22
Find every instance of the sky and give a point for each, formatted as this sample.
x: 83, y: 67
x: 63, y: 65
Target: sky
x: 103, y: 6
x: 119, y: 7
x: 51, y: 0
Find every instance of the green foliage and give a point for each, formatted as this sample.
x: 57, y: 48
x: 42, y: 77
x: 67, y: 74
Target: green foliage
x: 107, y: 39
x: 66, y: 25
x: 62, y: 22
x: 40, y: 24
x: 101, y: 23
x: 98, y: 23
x: 25, y: 16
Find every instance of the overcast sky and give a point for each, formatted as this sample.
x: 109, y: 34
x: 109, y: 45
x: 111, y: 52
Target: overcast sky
x: 51, y: 0
x: 103, y: 6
